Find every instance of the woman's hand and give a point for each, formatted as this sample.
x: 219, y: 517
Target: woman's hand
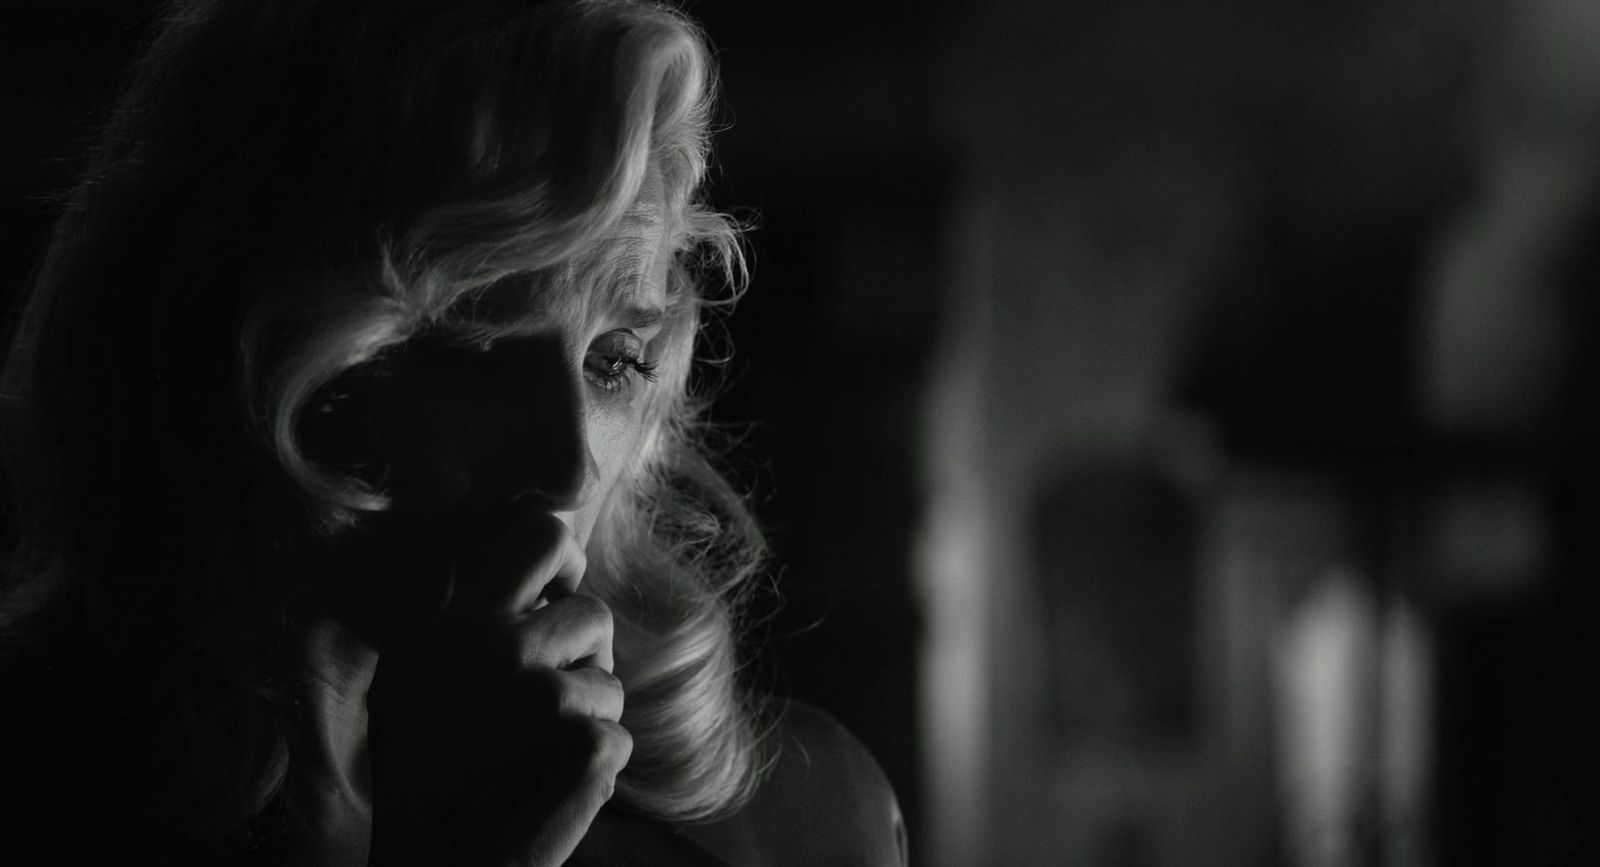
x: 494, y: 729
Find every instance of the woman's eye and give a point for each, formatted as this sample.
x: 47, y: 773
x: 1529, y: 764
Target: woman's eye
x: 613, y: 359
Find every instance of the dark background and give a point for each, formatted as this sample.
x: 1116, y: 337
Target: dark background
x: 1152, y: 290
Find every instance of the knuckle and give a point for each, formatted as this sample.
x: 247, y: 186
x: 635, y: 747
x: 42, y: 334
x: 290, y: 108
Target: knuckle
x: 591, y: 611
x: 624, y: 745
x: 547, y: 684
x: 617, y: 747
x: 568, y: 696
x: 594, y: 741
x: 607, y: 747
x: 531, y: 644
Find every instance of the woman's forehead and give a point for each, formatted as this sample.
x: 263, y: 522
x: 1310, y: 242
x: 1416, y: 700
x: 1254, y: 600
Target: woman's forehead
x: 622, y: 277
x: 627, y: 267
x: 619, y: 276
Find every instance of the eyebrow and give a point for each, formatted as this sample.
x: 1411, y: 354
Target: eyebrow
x: 642, y: 317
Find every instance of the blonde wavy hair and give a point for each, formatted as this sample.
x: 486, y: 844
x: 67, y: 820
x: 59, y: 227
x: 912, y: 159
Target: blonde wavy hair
x: 285, y: 192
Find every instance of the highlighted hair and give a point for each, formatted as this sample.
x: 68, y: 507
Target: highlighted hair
x: 285, y: 192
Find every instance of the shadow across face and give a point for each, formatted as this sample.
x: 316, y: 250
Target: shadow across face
x: 456, y: 436
x: 436, y: 422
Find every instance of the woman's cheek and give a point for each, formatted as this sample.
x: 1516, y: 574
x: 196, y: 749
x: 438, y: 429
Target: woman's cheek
x: 616, y: 433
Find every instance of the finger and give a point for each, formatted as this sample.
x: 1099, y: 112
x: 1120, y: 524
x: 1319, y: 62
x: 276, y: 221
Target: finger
x: 532, y: 555
x: 611, y: 745
x: 585, y: 693
x: 571, y: 631
x: 608, y: 747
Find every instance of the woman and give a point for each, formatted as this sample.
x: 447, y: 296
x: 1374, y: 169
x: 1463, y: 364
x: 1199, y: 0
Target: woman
x: 361, y: 514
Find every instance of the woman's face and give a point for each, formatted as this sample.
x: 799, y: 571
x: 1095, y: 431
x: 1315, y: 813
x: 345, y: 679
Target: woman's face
x: 550, y: 417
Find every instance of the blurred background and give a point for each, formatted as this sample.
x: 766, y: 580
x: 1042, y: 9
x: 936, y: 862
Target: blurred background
x: 1170, y: 416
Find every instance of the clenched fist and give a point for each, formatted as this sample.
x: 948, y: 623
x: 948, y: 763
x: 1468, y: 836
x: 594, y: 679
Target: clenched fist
x: 494, y: 726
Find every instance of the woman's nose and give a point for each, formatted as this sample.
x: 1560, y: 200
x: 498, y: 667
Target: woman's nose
x: 535, y: 443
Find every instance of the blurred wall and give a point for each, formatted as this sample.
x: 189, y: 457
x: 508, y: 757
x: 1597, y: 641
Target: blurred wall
x: 1290, y: 291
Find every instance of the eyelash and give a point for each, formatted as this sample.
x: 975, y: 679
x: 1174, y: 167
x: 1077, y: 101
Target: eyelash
x: 614, y: 371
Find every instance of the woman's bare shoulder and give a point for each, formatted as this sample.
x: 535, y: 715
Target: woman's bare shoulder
x: 825, y: 801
